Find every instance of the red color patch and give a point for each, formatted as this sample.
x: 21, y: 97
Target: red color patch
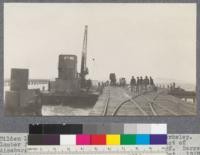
x: 98, y: 139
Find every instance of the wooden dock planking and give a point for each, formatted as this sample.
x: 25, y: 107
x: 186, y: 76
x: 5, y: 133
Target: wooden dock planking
x: 179, y: 106
x: 130, y: 110
x: 163, y: 105
x: 98, y: 108
x: 144, y: 104
x: 117, y: 96
x: 176, y: 100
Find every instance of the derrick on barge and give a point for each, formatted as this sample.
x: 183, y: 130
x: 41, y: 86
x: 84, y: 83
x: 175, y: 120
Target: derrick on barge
x: 70, y: 88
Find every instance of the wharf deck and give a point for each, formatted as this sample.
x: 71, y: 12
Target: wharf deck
x: 118, y: 101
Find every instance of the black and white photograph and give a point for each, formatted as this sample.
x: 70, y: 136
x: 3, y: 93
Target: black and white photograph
x: 100, y: 59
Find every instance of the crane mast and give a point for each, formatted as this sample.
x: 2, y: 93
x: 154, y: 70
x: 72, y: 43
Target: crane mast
x: 84, y: 69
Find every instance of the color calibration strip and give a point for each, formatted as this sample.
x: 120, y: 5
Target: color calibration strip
x: 97, y: 134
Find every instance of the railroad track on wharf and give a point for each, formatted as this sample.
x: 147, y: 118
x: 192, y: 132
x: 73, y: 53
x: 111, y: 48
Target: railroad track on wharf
x: 152, y: 103
x: 106, y: 103
x: 120, y: 102
x: 144, y: 111
x: 131, y: 100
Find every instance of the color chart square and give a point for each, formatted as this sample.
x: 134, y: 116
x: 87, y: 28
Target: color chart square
x: 83, y: 139
x: 67, y: 139
x: 113, y: 139
x: 158, y: 128
x: 35, y: 139
x: 142, y: 139
x: 35, y: 129
x: 76, y: 128
x: 51, y: 139
x: 128, y: 139
x: 51, y: 128
x: 116, y: 128
x: 89, y: 129
x: 143, y: 128
x: 130, y: 128
x: 98, y: 139
x: 103, y: 128
x: 158, y: 139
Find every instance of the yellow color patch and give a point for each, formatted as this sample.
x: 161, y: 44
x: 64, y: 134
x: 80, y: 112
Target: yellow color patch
x: 113, y: 139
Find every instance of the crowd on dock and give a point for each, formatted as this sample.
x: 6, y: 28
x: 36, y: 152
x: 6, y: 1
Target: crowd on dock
x: 139, y: 85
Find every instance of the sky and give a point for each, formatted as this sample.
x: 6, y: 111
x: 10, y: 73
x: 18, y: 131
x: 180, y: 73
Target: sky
x: 127, y: 39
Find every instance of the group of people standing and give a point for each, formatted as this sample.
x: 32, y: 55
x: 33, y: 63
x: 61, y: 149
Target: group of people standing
x: 141, y: 84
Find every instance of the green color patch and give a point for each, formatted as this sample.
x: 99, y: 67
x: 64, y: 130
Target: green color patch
x: 128, y: 139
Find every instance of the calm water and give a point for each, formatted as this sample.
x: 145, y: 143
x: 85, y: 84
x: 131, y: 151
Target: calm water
x: 57, y: 110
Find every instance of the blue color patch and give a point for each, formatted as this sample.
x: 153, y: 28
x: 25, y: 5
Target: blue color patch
x: 142, y: 139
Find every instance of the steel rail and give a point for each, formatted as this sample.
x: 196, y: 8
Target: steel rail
x: 137, y: 105
x: 126, y: 101
x: 150, y: 103
x: 153, y: 102
x: 106, y: 103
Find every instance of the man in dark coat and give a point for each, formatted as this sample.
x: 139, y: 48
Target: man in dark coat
x: 132, y: 83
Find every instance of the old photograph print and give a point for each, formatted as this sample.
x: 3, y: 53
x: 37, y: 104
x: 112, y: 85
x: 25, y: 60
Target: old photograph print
x: 67, y: 59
